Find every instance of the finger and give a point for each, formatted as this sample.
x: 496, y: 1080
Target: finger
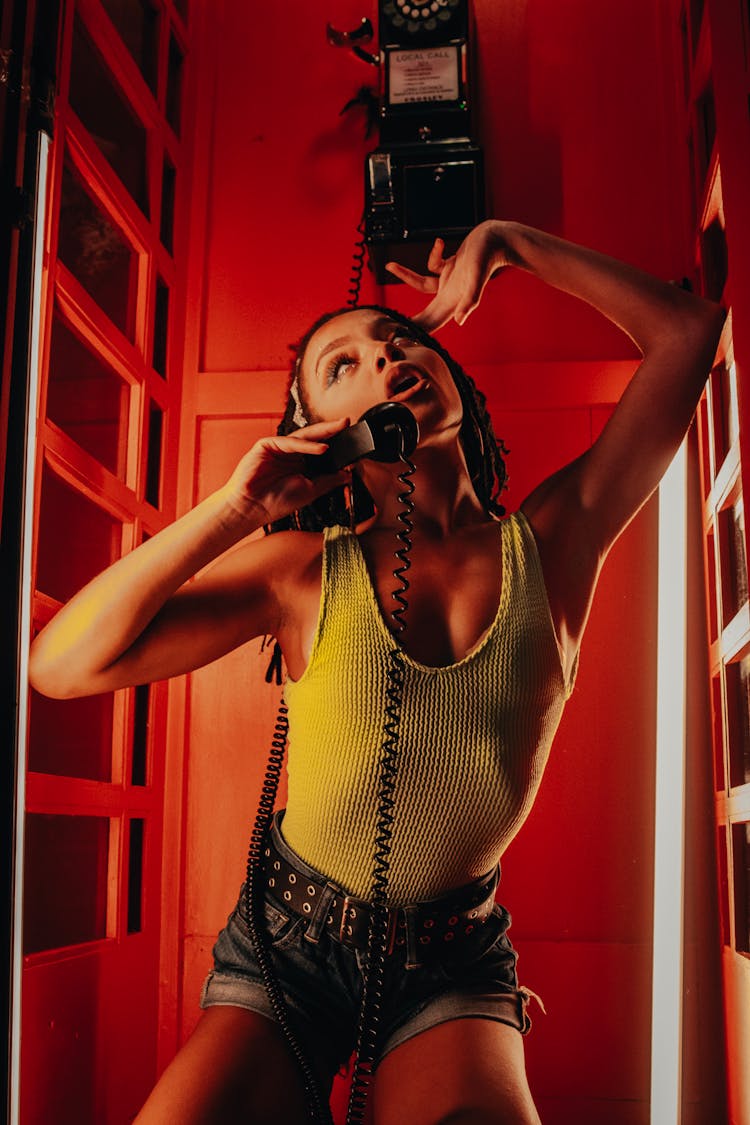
x: 473, y: 288
x: 464, y: 308
x: 435, y: 262
x: 321, y: 429
x: 462, y: 314
x: 434, y: 316
x: 415, y: 280
x: 295, y: 445
x: 330, y: 481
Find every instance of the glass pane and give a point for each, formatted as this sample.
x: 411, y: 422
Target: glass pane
x: 717, y: 733
x: 738, y: 552
x: 77, y: 539
x: 96, y: 253
x: 733, y: 563
x: 153, y: 464
x: 87, y: 399
x: 71, y: 737
x: 135, y: 877
x: 729, y: 403
x: 167, y: 206
x: 174, y: 85
x: 705, y: 110
x: 714, y: 260
x: 738, y: 715
x: 140, y: 734
x: 741, y: 880
x: 105, y: 112
x: 65, y: 900
x: 718, y: 433
x: 721, y: 852
x: 138, y: 24
x: 711, y: 587
x: 705, y: 451
x: 161, y: 327
x: 724, y: 416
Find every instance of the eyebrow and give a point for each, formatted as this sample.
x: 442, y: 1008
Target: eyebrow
x: 382, y: 320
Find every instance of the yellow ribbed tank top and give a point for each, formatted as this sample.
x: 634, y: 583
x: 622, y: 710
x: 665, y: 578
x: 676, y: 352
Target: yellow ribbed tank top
x: 474, y: 736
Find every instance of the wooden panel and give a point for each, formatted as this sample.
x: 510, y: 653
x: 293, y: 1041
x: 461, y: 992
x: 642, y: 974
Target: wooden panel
x: 737, y: 989
x: 596, y: 801
x: 220, y: 445
x: 197, y: 961
x: 540, y: 442
x: 597, y: 985
x: 231, y: 720
x: 590, y: 1111
x: 88, y: 1066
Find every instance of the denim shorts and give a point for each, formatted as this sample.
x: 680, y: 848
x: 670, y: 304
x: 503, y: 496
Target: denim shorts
x: 322, y: 978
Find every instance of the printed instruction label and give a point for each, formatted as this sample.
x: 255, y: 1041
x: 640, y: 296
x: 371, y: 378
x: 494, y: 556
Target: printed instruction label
x: 430, y: 75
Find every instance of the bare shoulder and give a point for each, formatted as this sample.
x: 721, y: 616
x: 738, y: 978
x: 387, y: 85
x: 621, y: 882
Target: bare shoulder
x: 296, y: 557
x: 271, y: 561
x: 285, y: 565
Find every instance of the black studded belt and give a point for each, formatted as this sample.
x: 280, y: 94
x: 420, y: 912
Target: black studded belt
x: 435, y: 925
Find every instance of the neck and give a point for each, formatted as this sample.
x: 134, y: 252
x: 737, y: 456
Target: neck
x: 444, y: 497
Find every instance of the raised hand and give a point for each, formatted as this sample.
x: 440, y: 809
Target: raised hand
x: 458, y: 281
x: 269, y: 483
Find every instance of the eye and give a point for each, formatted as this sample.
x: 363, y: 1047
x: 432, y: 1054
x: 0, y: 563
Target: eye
x: 338, y: 364
x: 404, y: 335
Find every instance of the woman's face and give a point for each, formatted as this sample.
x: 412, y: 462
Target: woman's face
x: 364, y: 357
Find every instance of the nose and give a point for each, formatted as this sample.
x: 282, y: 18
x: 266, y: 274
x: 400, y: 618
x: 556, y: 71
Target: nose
x: 387, y: 353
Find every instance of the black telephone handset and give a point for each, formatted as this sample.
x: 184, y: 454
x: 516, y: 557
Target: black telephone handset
x: 386, y: 432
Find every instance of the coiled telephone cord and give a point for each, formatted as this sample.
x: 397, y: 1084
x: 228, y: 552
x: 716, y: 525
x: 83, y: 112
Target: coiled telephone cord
x: 254, y: 915
x: 372, y: 994
x: 358, y: 266
x: 377, y: 944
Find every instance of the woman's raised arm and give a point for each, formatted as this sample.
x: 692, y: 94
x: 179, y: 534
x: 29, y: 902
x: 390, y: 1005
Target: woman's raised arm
x: 676, y: 332
x: 138, y: 621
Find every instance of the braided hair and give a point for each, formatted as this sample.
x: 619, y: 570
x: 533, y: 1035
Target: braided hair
x: 483, y: 451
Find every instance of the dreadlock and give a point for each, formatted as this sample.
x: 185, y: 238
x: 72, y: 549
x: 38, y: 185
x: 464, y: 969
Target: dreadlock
x: 483, y: 451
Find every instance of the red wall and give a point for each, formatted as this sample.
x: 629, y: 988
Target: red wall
x: 576, y: 109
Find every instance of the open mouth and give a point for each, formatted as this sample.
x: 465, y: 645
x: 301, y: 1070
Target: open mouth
x: 403, y: 383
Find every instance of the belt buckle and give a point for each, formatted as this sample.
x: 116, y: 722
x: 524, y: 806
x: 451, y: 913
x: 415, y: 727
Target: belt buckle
x: 346, y: 930
x: 349, y: 910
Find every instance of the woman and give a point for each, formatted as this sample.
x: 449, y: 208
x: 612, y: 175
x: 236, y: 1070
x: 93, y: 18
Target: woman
x: 451, y: 1046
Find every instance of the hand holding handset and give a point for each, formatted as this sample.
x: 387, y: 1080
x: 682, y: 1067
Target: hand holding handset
x: 385, y: 432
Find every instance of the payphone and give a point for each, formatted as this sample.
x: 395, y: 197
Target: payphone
x: 426, y: 177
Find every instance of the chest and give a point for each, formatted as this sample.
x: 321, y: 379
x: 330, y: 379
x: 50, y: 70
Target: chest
x: 452, y: 597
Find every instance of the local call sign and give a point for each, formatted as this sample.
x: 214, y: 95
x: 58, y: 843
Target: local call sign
x: 429, y: 75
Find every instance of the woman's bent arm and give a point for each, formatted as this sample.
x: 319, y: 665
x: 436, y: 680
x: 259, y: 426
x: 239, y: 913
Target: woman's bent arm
x: 78, y: 652
x: 677, y: 334
x: 137, y: 621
